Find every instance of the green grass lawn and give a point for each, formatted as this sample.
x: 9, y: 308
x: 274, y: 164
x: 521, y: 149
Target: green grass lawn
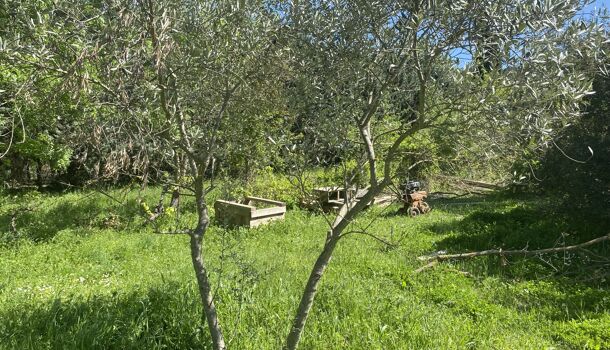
x: 84, y: 272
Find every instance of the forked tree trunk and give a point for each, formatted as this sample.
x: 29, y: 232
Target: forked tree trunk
x: 344, y: 218
x: 203, y: 282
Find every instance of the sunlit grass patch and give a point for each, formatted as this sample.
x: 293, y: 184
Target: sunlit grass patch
x: 87, y: 285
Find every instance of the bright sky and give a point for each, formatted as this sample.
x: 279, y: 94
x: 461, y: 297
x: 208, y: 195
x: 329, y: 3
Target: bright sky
x: 597, y: 4
x: 464, y: 57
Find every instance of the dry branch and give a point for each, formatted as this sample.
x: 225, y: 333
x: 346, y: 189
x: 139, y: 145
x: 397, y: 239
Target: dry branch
x: 473, y: 183
x: 429, y: 265
x: 441, y: 257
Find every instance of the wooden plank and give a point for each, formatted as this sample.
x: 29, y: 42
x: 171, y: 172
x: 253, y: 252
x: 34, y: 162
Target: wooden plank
x: 238, y: 214
x: 264, y: 200
x: 321, y: 195
x: 235, y: 205
x: 383, y: 200
x: 232, y: 213
x: 265, y: 220
x: 328, y: 189
x: 268, y: 212
x: 482, y: 184
x: 326, y: 194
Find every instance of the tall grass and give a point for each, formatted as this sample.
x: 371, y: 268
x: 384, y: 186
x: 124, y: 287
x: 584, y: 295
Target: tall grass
x: 83, y: 271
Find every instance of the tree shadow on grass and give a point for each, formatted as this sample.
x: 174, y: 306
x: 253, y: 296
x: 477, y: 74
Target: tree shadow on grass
x: 452, y: 205
x: 528, y: 227
x: 564, y: 287
x: 168, y: 317
x: 531, y: 227
x: 41, y: 224
x: 465, y: 205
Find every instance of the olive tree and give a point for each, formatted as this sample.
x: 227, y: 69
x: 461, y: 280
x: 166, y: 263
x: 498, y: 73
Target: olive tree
x: 209, y: 67
x: 173, y: 78
x: 384, y: 72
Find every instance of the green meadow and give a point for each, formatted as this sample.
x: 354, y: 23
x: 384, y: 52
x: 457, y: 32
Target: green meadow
x: 84, y: 271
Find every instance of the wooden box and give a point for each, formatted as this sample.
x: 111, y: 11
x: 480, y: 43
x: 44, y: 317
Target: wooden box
x: 332, y: 198
x: 251, y: 212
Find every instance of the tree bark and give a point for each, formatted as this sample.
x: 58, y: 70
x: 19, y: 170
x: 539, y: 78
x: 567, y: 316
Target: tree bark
x: 365, y: 134
x: 39, y: 175
x: 205, y: 292
x: 205, y: 289
x: 178, y: 175
x: 18, y: 172
x: 345, y: 216
x: 309, y: 294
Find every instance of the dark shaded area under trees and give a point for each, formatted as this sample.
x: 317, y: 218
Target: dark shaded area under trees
x: 577, y: 167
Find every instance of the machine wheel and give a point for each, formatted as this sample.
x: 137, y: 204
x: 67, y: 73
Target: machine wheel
x: 413, y: 211
x: 424, y: 207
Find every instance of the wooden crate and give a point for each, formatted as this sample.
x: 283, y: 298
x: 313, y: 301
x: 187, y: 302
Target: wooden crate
x: 251, y: 212
x: 325, y: 194
x: 332, y: 198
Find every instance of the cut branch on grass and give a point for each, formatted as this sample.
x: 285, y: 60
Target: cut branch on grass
x: 178, y: 232
x: 378, y: 239
x: 15, y: 214
x: 109, y: 196
x: 473, y: 183
x: 524, y: 252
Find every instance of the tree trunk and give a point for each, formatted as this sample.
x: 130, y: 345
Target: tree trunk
x: 344, y: 218
x: 178, y: 176
x: 175, y: 201
x: 39, y: 175
x: 310, y: 293
x: 205, y: 290
x: 18, y: 173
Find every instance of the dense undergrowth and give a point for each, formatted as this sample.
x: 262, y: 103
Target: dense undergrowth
x: 82, y: 270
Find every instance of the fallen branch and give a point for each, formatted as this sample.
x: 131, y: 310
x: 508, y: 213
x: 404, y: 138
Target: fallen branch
x: 434, y: 263
x: 441, y: 257
x: 429, y: 265
x: 447, y: 194
x: 177, y: 232
x: 379, y: 239
x: 473, y: 183
x: 15, y: 214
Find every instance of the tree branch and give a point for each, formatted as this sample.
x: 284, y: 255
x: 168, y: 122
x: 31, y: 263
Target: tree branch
x: 523, y: 252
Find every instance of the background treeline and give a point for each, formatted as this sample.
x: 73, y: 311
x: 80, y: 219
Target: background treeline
x: 63, y: 123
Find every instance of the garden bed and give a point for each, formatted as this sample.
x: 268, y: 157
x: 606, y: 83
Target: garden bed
x: 251, y: 212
